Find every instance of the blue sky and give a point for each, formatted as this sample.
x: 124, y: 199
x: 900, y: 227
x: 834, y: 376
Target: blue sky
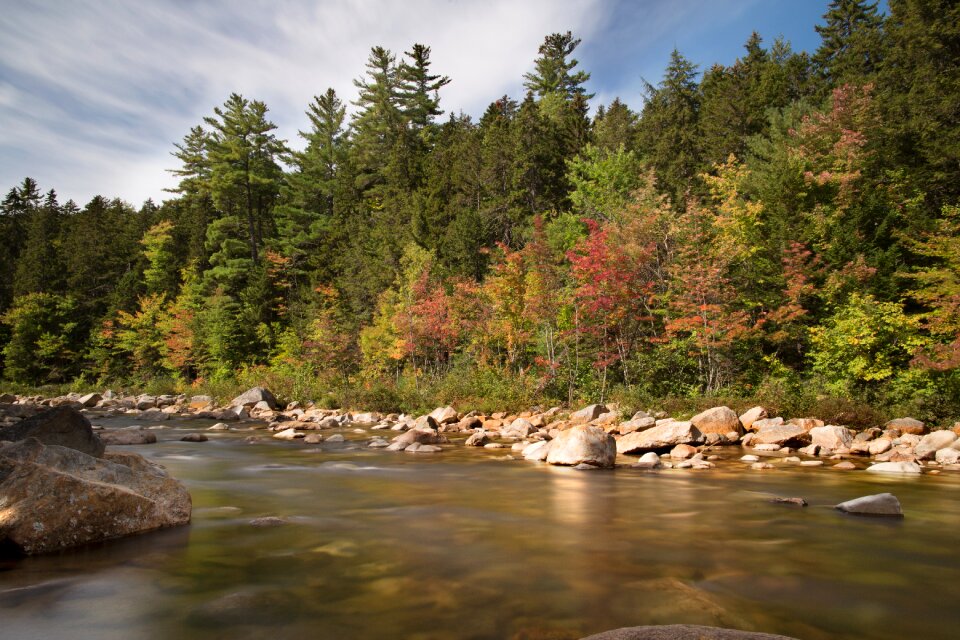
x: 93, y: 94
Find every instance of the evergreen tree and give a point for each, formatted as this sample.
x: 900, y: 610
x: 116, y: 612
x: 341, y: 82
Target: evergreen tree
x: 852, y: 43
x: 553, y: 72
x: 39, y: 269
x: 419, y: 89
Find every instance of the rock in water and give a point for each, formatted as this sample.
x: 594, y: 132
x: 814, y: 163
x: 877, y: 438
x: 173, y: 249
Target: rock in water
x: 682, y: 632
x: 252, y: 396
x: 62, y: 426
x: 720, y: 420
x: 583, y: 445
x: 934, y: 442
x: 54, y: 497
x: 896, y: 467
x: 661, y: 437
x: 831, y: 437
x: 115, y: 437
x: 880, y: 504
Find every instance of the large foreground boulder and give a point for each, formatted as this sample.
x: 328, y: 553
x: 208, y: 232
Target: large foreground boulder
x: 583, y: 444
x: 61, y: 426
x: 250, y: 397
x: 682, y: 632
x: 54, y: 497
x: 661, y: 437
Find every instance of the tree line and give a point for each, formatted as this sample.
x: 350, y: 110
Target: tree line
x: 789, y: 221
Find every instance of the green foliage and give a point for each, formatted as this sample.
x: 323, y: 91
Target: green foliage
x: 864, y: 342
x: 45, y: 340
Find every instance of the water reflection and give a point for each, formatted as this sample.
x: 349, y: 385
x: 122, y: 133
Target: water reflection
x: 466, y: 545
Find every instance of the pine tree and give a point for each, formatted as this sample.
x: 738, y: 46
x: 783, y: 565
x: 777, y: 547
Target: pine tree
x: 419, y: 89
x: 852, y: 43
x: 554, y: 69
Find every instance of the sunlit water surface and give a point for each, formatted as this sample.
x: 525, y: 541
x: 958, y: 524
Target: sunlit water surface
x: 466, y: 544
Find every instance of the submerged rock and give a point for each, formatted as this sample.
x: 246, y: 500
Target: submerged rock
x: 62, y: 426
x: 880, y: 504
x: 682, y: 632
x: 896, y: 467
x: 54, y: 497
x: 116, y: 437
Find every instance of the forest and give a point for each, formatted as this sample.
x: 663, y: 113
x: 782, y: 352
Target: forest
x: 784, y: 229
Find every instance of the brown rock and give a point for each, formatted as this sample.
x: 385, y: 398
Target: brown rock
x: 588, y: 414
x: 806, y: 423
x: 719, y: 420
x: 682, y: 452
x: 907, y: 425
x: 444, y: 415
x: 752, y: 415
x: 123, y: 437
x: 784, y: 434
x: 55, y: 497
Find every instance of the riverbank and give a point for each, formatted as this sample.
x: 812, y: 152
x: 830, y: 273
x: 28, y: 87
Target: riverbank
x: 597, y: 436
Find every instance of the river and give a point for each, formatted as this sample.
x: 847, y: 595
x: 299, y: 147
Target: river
x: 466, y: 544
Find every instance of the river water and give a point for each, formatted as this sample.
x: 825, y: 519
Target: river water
x: 466, y: 544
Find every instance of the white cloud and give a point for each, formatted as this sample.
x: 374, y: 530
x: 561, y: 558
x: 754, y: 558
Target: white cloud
x: 96, y: 93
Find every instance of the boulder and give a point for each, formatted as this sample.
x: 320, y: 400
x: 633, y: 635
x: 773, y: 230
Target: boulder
x: 519, y: 428
x: 288, y: 434
x: 720, y: 420
x: 61, y: 426
x: 911, y: 468
x: 831, y: 437
x: 416, y: 447
x: 588, y: 414
x: 469, y: 423
x: 785, y: 435
x: 55, y: 497
x: 907, y: 425
x: 927, y: 448
x: 880, y: 445
x: 583, y: 444
x: 752, y: 415
x: 537, y: 451
x: 636, y: 424
x: 846, y: 465
x: 421, y: 436
x: 682, y: 452
x: 948, y: 456
x: 682, y: 632
x: 880, y: 504
x: 478, y: 439
x: 145, y: 402
x: 366, y: 418
x: 806, y: 423
x: 649, y: 460
x: 661, y: 437
x: 312, y: 438
x: 252, y: 396
x: 116, y: 437
x: 199, y: 402
x: 766, y: 422
x: 90, y: 400
x: 425, y: 422
x: 194, y: 437
x: 443, y: 415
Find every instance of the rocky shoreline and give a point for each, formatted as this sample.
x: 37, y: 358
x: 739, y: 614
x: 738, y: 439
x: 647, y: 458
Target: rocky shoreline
x: 597, y: 436
x: 49, y: 448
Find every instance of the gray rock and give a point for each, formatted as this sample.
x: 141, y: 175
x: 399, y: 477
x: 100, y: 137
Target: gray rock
x: 478, y: 439
x: 933, y: 442
x: 416, y: 447
x: 62, y: 426
x: 194, y: 437
x: 55, y: 497
x: 90, y: 400
x: 420, y: 436
x: 519, y: 428
x: 252, y: 396
x: 123, y: 437
x: 682, y: 632
x: 661, y: 437
x: 583, y: 444
x: 649, y: 460
x: 948, y: 456
x: 636, y: 424
x: 145, y: 402
x: 337, y: 437
x: 880, y: 504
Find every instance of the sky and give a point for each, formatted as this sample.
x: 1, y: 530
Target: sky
x: 93, y: 94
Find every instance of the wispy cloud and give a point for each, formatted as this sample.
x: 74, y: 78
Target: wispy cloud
x: 93, y: 94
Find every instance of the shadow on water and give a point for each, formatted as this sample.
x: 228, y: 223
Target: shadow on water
x: 467, y: 544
